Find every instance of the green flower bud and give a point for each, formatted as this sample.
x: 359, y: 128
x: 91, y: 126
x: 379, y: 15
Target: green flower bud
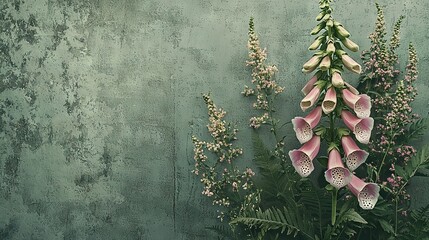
x: 311, y: 64
x: 350, y: 45
x: 317, y: 29
x: 326, y: 17
x: 330, y: 23
x: 320, y: 16
x: 342, y: 32
x: 316, y: 43
x: 330, y: 48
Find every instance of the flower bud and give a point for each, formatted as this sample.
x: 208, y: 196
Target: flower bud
x: 330, y: 23
x: 337, y: 80
x: 320, y: 16
x: 326, y: 17
x: 325, y: 64
x: 315, y: 45
x: 331, y: 48
x: 350, y: 64
x: 311, y: 64
x: 350, y: 44
x: 342, y: 31
x: 318, y: 28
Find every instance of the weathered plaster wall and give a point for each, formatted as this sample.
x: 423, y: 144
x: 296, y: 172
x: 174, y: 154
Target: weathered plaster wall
x: 98, y: 100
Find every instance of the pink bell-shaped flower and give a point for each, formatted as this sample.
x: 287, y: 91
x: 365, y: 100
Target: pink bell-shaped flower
x: 361, y: 104
x: 303, y: 126
x: 337, y: 175
x: 310, y: 84
x: 310, y: 99
x: 361, y: 127
x: 354, y: 155
x: 330, y: 101
x: 350, y: 64
x: 366, y: 193
x: 302, y: 158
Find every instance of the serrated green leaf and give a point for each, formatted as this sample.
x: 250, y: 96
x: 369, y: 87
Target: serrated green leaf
x: 387, y: 227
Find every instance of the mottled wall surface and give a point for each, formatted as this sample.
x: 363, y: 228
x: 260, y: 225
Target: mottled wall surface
x: 98, y: 100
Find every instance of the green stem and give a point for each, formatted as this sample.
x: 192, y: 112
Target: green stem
x: 385, y: 155
x: 396, y: 215
x: 334, y: 206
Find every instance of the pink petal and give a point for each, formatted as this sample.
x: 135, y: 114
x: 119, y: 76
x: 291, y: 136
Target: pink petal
x: 313, y: 118
x: 302, y: 129
x: 361, y: 104
x: 362, y: 107
x: 361, y: 127
x: 310, y: 99
x: 367, y: 193
x: 363, y: 130
x: 303, y: 126
x: 349, y: 119
x: 330, y: 101
x: 368, y: 197
x: 337, y: 175
x: 302, y: 159
x: 301, y: 162
x: 354, y: 155
x: 310, y: 84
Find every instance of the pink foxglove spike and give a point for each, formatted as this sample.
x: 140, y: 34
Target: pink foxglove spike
x: 310, y: 99
x: 354, y: 155
x: 337, y: 175
x: 361, y: 127
x: 311, y: 64
x: 303, y: 126
x: 337, y: 80
x: 350, y: 64
x: 361, y: 104
x: 330, y: 101
x: 302, y: 158
x: 366, y: 193
x: 310, y: 84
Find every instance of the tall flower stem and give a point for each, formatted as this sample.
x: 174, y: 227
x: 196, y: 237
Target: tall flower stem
x: 334, y: 206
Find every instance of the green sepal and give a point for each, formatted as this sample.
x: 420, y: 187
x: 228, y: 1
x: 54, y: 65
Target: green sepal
x: 320, y: 131
x: 333, y: 145
x: 329, y: 187
x: 321, y: 83
x: 343, y: 132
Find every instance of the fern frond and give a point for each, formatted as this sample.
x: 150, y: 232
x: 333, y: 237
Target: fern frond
x: 222, y: 231
x: 318, y: 203
x: 416, y: 130
x: 287, y: 221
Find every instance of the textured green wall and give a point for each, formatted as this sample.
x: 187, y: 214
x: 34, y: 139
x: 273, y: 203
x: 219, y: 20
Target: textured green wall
x: 98, y: 100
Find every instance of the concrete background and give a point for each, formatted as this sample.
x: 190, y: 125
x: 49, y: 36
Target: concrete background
x: 98, y: 101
